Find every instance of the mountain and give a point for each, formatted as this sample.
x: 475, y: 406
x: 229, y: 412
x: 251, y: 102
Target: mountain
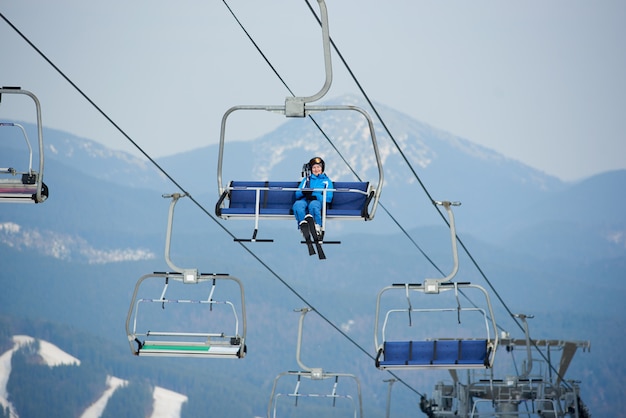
x: 541, y: 246
x: 164, y: 403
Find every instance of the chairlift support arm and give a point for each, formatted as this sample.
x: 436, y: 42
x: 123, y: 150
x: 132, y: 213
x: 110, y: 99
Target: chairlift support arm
x: 295, y: 106
x: 314, y: 371
x: 189, y: 275
x: 529, y: 356
x: 432, y: 283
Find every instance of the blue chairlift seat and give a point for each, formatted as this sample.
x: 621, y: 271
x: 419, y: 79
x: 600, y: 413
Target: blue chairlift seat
x: 274, y: 199
x: 473, y: 352
x: 436, y: 353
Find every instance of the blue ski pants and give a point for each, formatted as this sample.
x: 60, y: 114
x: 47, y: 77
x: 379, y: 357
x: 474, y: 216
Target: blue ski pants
x: 302, y: 207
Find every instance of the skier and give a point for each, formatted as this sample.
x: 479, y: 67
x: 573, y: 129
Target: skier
x: 307, y: 208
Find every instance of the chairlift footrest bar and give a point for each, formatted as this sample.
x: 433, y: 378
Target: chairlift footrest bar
x: 200, y: 275
x: 252, y: 240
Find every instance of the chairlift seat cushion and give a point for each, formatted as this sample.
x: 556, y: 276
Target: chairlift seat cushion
x: 408, y: 352
x: 396, y: 352
x: 473, y: 352
x: 446, y: 352
x: 422, y: 352
x: 21, y: 189
x: 17, y: 188
x: 349, y: 204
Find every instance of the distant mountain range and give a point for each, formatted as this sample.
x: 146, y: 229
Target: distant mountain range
x: 549, y: 248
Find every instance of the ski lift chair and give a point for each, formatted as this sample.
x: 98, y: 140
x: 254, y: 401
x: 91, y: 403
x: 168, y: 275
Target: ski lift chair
x: 273, y: 200
x: 23, y: 185
x: 183, y: 336
x: 426, y: 352
x: 310, y: 374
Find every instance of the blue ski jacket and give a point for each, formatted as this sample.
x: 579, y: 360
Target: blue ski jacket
x: 321, y: 181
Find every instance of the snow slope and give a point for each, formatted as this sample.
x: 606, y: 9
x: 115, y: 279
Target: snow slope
x: 167, y: 404
x: 96, y: 409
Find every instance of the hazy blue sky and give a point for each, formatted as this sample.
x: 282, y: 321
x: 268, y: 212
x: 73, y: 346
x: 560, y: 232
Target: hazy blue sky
x: 540, y: 81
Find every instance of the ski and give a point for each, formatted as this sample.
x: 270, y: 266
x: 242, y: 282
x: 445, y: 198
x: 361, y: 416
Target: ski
x: 304, y: 228
x: 316, y: 238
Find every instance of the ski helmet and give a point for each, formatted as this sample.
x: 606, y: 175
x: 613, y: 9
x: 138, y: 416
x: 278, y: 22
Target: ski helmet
x: 317, y: 160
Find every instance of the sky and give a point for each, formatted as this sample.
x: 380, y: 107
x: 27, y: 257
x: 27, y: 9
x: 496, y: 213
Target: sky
x: 541, y: 82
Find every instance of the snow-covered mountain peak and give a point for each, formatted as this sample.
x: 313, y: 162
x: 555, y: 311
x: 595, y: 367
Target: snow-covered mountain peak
x: 49, y: 353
